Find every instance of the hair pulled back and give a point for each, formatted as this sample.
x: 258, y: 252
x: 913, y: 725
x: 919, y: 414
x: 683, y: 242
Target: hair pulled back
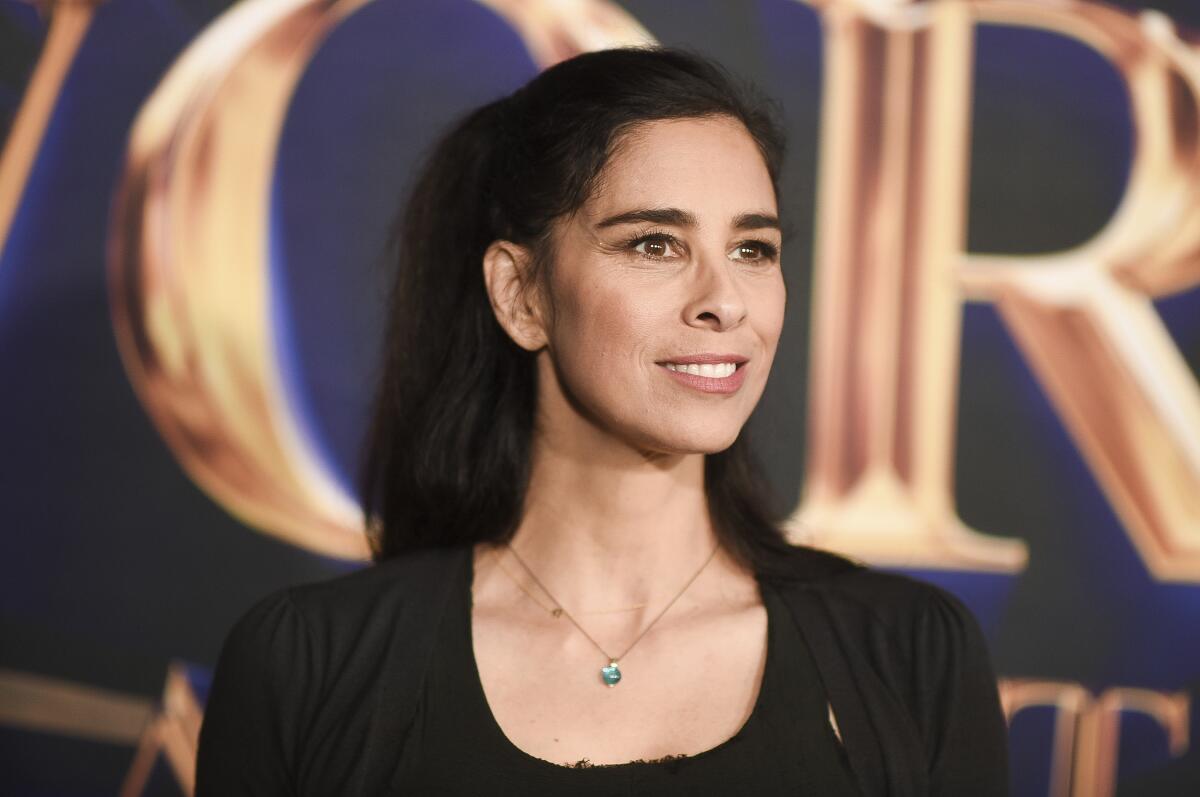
x: 447, y: 454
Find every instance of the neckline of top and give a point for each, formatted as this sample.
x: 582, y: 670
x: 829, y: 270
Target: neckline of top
x: 478, y: 694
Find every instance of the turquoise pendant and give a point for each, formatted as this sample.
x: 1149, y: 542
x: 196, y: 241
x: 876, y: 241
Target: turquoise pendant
x: 611, y: 673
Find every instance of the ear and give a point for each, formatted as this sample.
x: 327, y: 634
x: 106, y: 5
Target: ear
x: 507, y: 275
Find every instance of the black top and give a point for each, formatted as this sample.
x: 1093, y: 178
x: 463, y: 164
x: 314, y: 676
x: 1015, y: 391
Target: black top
x: 330, y: 688
x: 785, y: 747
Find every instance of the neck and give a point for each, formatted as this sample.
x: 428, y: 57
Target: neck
x: 601, y: 533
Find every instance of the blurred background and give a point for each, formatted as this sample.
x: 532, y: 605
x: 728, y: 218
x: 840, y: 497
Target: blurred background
x: 988, y: 377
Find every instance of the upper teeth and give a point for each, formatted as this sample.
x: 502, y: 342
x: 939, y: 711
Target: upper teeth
x: 715, y: 370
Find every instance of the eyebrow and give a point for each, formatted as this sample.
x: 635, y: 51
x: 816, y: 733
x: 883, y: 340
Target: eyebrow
x: 682, y: 218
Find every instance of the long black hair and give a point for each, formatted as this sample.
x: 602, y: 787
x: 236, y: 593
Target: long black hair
x: 447, y: 454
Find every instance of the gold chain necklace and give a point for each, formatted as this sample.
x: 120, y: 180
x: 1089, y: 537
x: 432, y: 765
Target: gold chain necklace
x: 554, y: 612
x: 611, y: 672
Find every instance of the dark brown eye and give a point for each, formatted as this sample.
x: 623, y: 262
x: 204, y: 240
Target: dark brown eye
x: 656, y: 246
x: 754, y: 251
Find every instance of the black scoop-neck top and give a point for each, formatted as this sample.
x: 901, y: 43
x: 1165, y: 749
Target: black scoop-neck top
x: 786, y: 745
x: 318, y: 686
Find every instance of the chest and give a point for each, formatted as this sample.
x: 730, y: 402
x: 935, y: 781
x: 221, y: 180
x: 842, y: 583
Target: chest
x: 685, y: 688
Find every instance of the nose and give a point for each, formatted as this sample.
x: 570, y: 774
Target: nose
x: 716, y: 297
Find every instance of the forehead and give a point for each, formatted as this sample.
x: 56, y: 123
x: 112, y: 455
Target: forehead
x: 711, y: 167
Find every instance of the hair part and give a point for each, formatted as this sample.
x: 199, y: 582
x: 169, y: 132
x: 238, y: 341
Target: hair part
x: 447, y: 454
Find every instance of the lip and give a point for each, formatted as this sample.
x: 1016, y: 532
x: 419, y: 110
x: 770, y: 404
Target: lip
x: 709, y: 384
x: 705, y: 358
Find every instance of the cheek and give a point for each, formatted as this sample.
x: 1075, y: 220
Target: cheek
x: 601, y: 325
x: 768, y: 313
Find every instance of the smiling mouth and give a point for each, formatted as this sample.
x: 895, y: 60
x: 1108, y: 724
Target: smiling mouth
x: 710, y: 370
x: 722, y: 377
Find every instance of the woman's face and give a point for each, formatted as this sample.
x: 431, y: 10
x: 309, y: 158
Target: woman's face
x: 670, y: 268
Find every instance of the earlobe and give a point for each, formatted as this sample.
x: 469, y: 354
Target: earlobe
x: 506, y: 274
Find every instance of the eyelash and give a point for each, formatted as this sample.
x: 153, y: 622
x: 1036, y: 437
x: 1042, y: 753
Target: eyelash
x: 770, y: 253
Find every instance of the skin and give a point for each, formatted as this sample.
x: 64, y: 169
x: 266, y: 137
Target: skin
x: 615, y: 522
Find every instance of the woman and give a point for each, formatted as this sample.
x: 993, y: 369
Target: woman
x: 578, y: 586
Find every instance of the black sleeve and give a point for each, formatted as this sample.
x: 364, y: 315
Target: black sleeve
x: 255, y: 709
x: 966, y: 737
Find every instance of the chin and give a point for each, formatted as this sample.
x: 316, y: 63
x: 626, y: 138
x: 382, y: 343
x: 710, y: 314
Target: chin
x: 699, y: 441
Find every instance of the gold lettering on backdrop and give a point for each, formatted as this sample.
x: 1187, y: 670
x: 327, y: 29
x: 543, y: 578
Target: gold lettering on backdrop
x: 1087, y: 729
x: 1084, y: 318
x: 188, y: 261
x: 891, y: 274
x: 886, y: 308
x: 172, y: 736
x: 69, y: 21
x: 1069, y: 701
